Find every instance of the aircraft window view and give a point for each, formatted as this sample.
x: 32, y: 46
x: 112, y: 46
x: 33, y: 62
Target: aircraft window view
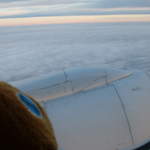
x: 75, y: 74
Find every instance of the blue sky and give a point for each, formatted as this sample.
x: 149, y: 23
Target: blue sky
x: 31, y: 8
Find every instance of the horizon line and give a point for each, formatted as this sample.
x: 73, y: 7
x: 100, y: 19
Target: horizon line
x: 119, y: 18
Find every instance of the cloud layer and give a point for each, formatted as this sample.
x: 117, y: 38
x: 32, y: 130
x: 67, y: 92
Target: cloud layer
x: 38, y: 8
x: 118, y: 3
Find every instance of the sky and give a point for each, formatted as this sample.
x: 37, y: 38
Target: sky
x: 17, y: 12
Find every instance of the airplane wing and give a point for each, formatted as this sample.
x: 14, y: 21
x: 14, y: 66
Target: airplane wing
x: 93, y: 108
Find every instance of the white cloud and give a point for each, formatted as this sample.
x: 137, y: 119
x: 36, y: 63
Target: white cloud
x: 111, y: 45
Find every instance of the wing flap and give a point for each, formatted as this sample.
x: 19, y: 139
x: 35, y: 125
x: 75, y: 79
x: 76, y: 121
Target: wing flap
x: 69, y: 82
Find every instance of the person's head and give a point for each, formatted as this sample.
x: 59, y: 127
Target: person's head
x: 23, y: 123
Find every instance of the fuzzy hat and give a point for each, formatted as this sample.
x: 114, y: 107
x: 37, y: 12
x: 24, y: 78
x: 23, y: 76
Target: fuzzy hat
x: 23, y: 123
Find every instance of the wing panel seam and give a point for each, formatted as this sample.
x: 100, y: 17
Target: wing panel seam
x: 125, y: 113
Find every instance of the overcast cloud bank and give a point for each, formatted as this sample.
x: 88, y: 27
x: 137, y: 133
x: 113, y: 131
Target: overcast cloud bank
x: 33, y: 51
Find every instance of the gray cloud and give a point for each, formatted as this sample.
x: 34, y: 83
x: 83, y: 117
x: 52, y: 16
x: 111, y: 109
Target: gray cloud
x: 8, y: 1
x: 30, y: 8
x: 118, y: 3
x: 41, y: 2
x: 88, y: 3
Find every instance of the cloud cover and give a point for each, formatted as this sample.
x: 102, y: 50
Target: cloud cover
x: 93, y: 3
x: 119, y: 3
x: 34, y: 8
